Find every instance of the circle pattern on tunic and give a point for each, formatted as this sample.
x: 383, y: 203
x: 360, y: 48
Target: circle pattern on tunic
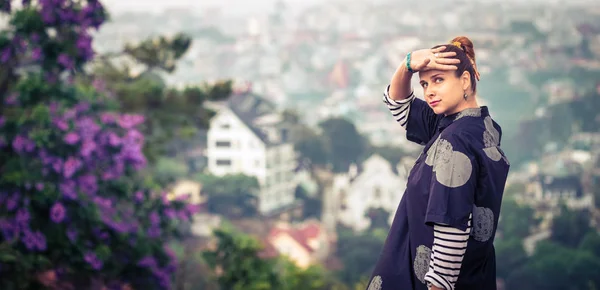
x: 472, y: 112
x: 483, y: 223
x: 421, y: 263
x: 451, y: 168
x: 493, y: 153
x: 491, y: 136
x: 376, y: 283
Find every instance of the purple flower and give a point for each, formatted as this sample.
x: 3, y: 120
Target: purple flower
x: 70, y: 114
x: 154, y: 219
x: 34, y: 36
x: 88, y: 184
x: 60, y: 124
x: 129, y: 121
x: 71, y: 166
x: 192, y: 209
x: 72, y: 234
x: 12, y: 202
x: 22, y: 144
x: 39, y: 186
x: 67, y: 188
x: 84, y: 46
x: 29, y: 239
x: 48, y: 16
x: 23, y: 217
x: 65, y: 61
x: 71, y: 138
x: 2, y: 121
x: 102, y: 202
x: 87, y: 148
x: 40, y: 241
x: 139, y: 196
x: 10, y: 231
x: 108, y: 118
x: 87, y: 128
x: 113, y: 139
x: 57, y: 212
x: 154, y: 232
x: 5, y: 54
x: 36, y: 54
x: 147, y: 262
x: 92, y: 259
x: 82, y: 107
x: 57, y: 164
x: 170, y: 213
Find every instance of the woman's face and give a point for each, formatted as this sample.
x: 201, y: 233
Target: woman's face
x: 443, y: 91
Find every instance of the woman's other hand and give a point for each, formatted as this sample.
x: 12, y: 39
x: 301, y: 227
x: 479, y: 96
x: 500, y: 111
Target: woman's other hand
x: 433, y: 59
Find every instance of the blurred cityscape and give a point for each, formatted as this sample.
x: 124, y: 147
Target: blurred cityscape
x: 301, y: 159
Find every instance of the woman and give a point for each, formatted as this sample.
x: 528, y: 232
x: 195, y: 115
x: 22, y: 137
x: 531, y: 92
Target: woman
x: 443, y: 232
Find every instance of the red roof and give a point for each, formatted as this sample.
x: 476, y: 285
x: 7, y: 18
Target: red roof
x: 301, y: 234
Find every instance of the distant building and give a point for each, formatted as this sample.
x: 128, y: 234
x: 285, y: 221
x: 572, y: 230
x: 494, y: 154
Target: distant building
x: 247, y: 136
x: 375, y: 184
x: 304, y: 244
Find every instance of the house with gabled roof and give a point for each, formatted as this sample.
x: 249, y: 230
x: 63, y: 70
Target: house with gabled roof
x: 249, y: 136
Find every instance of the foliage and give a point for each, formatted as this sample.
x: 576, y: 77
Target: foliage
x: 313, y: 205
x: 358, y: 253
x: 339, y: 144
x: 570, y: 227
x: 569, y: 260
x: 237, y: 262
x: 556, y: 267
x: 516, y: 221
x: 172, y: 113
x: 74, y: 212
x: 379, y: 218
x: 232, y: 196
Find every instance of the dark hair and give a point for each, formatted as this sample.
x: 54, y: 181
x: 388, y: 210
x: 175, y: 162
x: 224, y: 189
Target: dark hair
x: 463, y: 47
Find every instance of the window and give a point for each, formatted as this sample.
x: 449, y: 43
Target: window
x: 284, y: 135
x: 223, y: 162
x: 225, y: 126
x: 377, y: 192
x: 223, y: 144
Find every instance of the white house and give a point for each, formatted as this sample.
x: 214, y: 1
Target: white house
x: 248, y: 136
x: 374, y: 184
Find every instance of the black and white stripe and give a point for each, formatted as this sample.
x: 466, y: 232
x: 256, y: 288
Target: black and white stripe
x: 449, y: 246
x: 398, y: 108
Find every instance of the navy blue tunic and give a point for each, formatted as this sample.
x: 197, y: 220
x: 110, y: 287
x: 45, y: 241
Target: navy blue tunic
x: 459, y: 178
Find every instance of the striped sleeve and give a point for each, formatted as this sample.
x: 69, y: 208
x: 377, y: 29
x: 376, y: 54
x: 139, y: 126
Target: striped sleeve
x: 398, y: 108
x: 449, y: 247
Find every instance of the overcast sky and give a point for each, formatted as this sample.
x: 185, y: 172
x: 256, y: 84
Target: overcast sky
x: 233, y: 6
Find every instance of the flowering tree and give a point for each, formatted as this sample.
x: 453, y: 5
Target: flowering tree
x: 74, y: 213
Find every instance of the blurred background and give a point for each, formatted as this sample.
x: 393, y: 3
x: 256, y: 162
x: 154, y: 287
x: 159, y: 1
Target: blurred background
x: 244, y: 144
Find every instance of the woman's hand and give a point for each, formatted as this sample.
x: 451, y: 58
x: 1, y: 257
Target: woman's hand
x: 433, y: 59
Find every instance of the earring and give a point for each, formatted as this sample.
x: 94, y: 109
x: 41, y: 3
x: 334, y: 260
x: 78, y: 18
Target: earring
x: 465, y: 96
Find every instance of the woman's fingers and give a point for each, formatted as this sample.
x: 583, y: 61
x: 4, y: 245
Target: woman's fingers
x: 438, y: 49
x: 424, y: 64
x: 444, y: 54
x: 447, y: 60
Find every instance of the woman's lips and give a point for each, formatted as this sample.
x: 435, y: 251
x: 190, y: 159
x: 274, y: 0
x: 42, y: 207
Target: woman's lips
x: 434, y: 103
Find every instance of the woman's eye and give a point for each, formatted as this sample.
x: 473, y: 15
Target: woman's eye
x: 438, y: 80
x: 424, y: 85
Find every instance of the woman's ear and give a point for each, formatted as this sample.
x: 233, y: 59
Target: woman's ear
x: 465, y: 80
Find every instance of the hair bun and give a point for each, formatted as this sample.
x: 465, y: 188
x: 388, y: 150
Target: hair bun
x: 466, y: 45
